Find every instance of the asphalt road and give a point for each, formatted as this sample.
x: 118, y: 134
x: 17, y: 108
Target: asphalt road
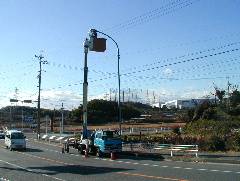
x: 44, y: 161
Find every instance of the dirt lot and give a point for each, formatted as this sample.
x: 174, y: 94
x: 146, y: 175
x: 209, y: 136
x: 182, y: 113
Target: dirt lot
x: 125, y: 126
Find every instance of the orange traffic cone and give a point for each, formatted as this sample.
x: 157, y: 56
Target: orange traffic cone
x: 113, y: 156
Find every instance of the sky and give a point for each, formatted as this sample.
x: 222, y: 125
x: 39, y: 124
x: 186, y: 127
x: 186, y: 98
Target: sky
x: 169, y: 49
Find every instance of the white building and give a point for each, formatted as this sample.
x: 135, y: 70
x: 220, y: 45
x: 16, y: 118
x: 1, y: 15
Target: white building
x: 185, y: 103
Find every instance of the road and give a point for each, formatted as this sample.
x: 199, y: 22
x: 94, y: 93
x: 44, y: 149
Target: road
x: 44, y: 161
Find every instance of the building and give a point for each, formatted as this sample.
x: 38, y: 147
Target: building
x: 185, y: 103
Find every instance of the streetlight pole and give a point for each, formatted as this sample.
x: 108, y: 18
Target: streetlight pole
x: 22, y: 115
x: 85, y: 88
x: 62, y: 120
x: 94, y: 31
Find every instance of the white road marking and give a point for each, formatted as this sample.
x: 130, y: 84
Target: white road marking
x: 226, y: 171
x: 214, y: 170
x: 188, y: 168
x: 136, y: 163
x: 29, y: 170
x: 164, y: 166
x: 146, y: 164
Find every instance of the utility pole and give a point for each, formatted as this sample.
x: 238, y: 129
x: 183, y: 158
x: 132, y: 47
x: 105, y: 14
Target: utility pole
x: 129, y: 94
x: 22, y: 116
x: 62, y: 120
x: 10, y: 116
x: 110, y: 99
x: 41, y: 61
x: 228, y: 89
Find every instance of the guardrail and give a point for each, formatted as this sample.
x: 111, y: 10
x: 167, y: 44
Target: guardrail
x: 178, y: 148
x: 60, y: 139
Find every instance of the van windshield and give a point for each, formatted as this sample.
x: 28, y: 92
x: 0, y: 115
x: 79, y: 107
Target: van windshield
x: 17, y: 136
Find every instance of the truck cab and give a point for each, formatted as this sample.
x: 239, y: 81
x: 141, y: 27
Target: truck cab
x: 107, y: 141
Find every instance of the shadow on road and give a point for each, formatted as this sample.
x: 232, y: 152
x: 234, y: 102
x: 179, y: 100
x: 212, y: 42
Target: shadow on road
x: 141, y: 156
x: 78, y: 169
x: 33, y: 150
x: 70, y: 169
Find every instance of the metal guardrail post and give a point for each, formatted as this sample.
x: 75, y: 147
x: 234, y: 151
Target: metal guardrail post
x: 171, y: 147
x: 196, y: 151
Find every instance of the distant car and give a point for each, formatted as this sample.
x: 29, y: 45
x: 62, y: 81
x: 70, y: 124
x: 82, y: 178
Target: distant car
x: 2, y: 135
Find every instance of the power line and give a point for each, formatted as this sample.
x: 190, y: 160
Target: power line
x: 162, y: 66
x: 150, y: 15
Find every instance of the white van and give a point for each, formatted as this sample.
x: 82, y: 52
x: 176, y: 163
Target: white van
x: 15, y: 139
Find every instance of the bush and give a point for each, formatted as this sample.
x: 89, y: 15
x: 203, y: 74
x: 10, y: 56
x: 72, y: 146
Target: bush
x: 233, y: 142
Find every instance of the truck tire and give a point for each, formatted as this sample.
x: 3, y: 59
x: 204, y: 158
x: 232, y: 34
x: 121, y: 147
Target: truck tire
x: 98, y: 152
x: 81, y: 150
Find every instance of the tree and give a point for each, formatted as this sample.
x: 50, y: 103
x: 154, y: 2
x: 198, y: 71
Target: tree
x: 219, y: 93
x: 102, y: 111
x: 235, y: 98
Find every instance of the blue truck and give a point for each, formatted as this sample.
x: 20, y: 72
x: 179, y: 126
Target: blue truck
x: 100, y: 142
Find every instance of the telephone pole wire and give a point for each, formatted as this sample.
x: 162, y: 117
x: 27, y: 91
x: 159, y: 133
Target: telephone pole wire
x: 41, y: 61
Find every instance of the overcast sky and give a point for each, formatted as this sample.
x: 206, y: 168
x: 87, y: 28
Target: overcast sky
x: 169, y: 48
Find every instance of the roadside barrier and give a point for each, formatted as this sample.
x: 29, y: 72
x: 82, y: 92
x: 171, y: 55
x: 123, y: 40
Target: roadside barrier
x: 51, y: 138
x: 59, y: 139
x: 44, y: 137
x: 178, y: 148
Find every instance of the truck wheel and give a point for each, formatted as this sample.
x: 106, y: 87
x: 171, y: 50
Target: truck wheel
x: 98, y: 152
x: 80, y: 150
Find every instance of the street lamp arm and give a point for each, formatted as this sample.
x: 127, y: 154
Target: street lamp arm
x: 119, y: 82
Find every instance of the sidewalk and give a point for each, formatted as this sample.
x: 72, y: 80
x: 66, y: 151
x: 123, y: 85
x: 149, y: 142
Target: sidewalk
x: 221, y: 157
